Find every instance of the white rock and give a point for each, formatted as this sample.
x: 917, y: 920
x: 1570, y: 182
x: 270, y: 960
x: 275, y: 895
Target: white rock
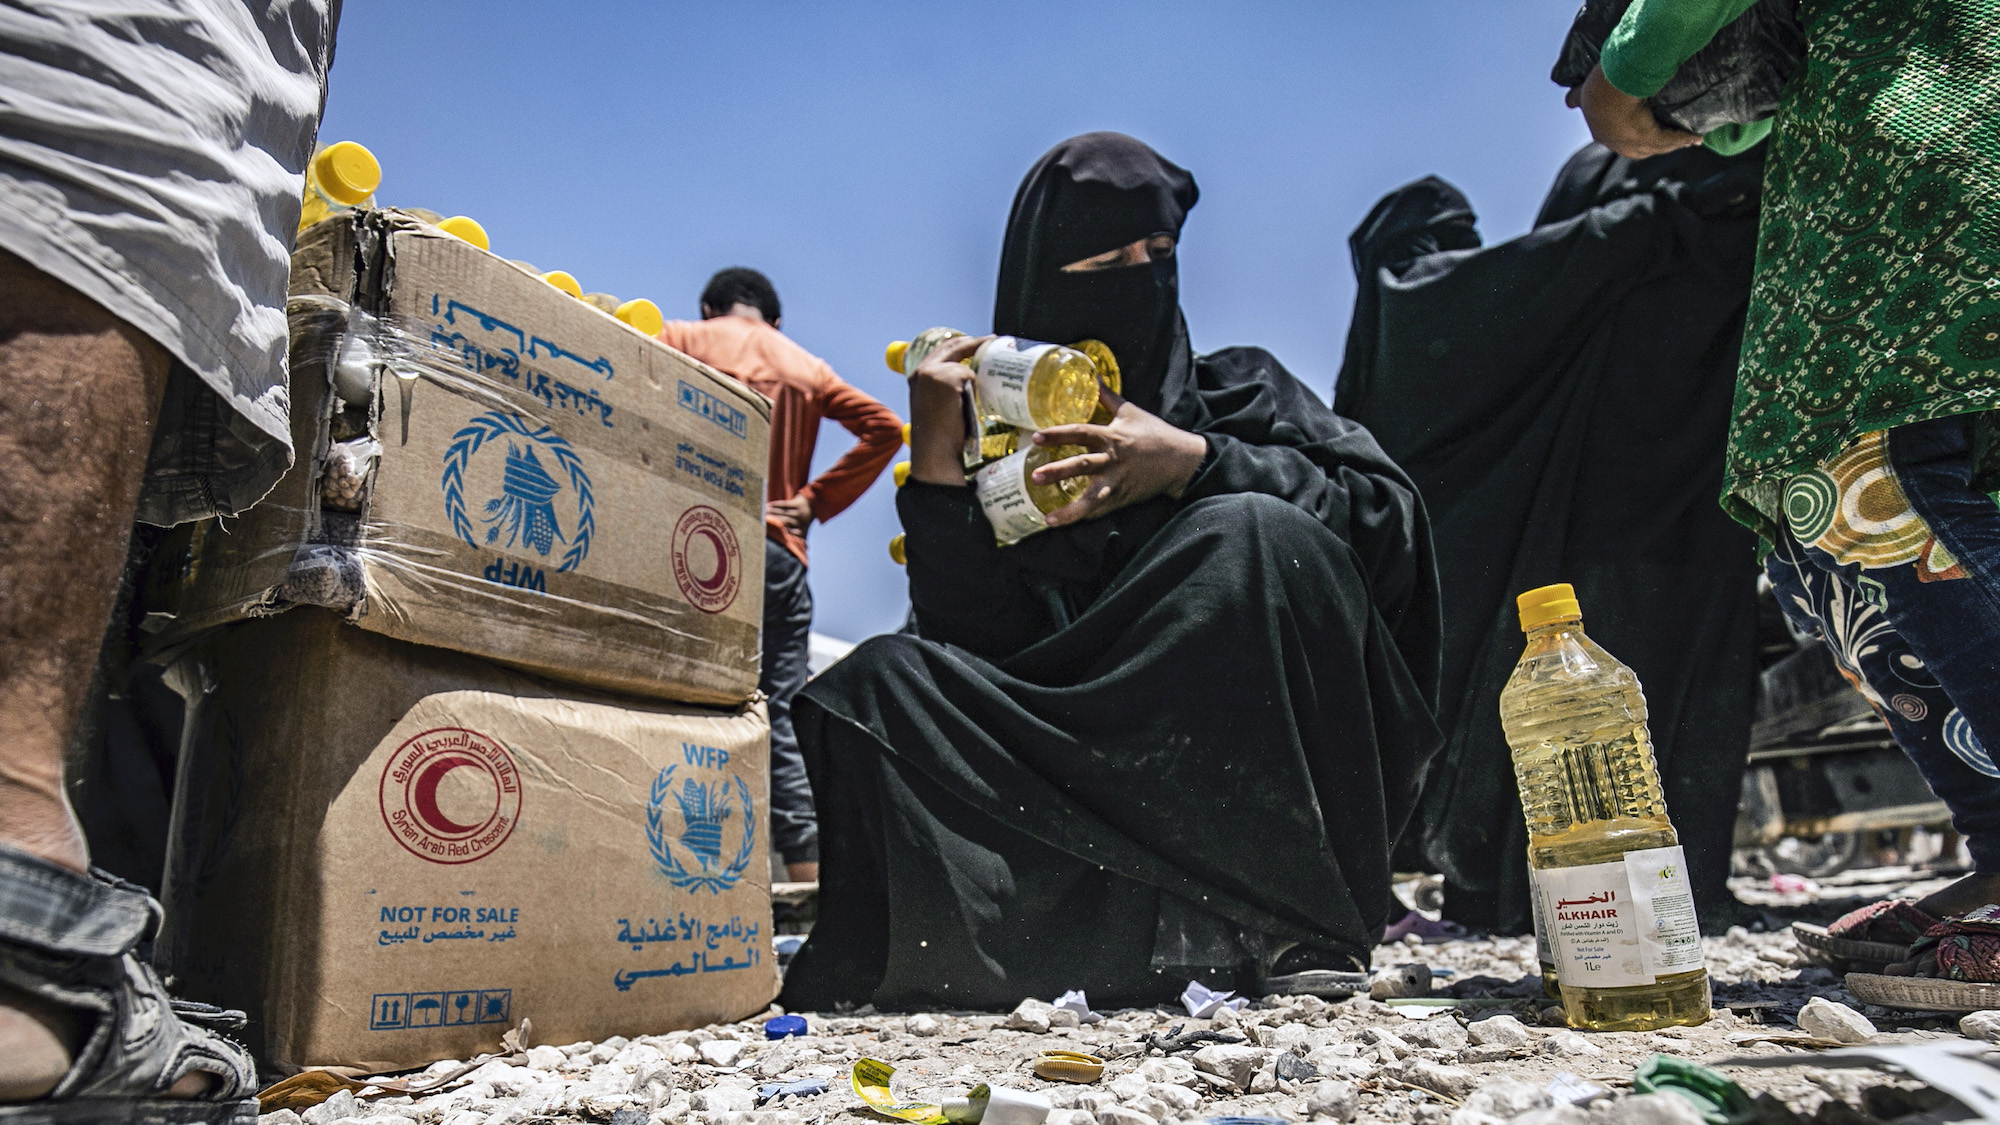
x: 921, y: 1024
x: 278, y: 1117
x: 1830, y: 1020
x: 1981, y: 1025
x: 1119, y: 1115
x: 1237, y: 1062
x: 721, y: 1052
x: 1507, y: 1098
x: 506, y: 1081
x: 1440, y: 1031
x: 1283, y: 1037
x: 1176, y: 1070
x: 1177, y: 1098
x: 1070, y: 1117
x: 1498, y: 1031
x: 340, y: 1105
x: 604, y: 1052
x: 1382, y: 1037
x: 682, y: 1053
x: 1128, y: 1087
x: 1266, y: 1079
x: 1031, y: 1015
x: 722, y: 1099
x: 1226, y: 1018
x: 1464, y: 1116
x: 1064, y: 1017
x: 1337, y: 1100
x: 1571, y: 1044
x: 1451, y: 1081
x: 1650, y: 1109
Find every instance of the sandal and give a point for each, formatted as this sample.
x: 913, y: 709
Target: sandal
x: 74, y: 941
x: 1301, y: 970
x: 1954, y: 967
x: 1878, y: 934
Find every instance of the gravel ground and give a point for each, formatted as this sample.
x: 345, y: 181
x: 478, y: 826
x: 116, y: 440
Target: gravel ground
x: 1300, y: 1058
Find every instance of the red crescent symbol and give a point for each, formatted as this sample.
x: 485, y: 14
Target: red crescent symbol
x: 721, y: 575
x: 423, y: 794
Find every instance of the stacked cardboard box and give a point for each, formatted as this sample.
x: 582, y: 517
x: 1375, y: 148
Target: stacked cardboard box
x: 431, y: 783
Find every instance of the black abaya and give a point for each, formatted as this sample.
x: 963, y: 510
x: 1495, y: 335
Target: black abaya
x: 1159, y: 744
x: 1561, y: 401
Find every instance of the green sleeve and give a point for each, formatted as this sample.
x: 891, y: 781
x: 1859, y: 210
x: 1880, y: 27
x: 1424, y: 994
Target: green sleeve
x: 1728, y: 140
x: 1655, y: 37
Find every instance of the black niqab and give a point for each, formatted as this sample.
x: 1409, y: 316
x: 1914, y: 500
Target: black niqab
x: 1151, y: 745
x: 1088, y: 195
x: 1562, y: 399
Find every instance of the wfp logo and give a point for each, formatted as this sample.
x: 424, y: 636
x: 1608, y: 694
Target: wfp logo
x: 525, y: 516
x: 706, y: 815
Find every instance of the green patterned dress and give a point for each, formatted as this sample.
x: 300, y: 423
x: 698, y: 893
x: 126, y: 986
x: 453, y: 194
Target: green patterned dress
x: 1877, y: 294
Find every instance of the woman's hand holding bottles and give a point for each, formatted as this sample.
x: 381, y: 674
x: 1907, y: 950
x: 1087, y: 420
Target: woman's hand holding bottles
x: 1136, y: 457
x: 938, y: 390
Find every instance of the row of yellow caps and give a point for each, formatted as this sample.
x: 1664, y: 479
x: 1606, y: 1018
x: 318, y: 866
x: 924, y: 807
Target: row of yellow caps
x: 348, y: 173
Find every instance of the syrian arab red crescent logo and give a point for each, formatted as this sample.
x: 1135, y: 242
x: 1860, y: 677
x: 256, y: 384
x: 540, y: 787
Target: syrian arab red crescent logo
x: 708, y: 563
x: 451, y: 795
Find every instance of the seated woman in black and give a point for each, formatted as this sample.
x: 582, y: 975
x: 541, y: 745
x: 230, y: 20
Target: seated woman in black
x: 1175, y: 735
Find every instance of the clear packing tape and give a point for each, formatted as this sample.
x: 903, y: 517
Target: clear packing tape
x: 323, y: 538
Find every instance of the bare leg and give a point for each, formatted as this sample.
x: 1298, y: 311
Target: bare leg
x: 79, y: 390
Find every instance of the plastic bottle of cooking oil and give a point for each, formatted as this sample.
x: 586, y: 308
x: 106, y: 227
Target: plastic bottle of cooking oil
x: 1604, y: 858
x: 340, y: 177
x: 1021, y: 383
x: 1013, y: 502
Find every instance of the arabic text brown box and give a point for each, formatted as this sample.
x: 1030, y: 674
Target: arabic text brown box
x: 555, y: 490
x: 389, y: 854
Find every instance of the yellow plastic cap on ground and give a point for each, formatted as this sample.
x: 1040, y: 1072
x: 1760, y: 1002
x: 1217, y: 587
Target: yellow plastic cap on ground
x: 347, y: 172
x: 897, y: 350
x: 459, y: 226
x: 643, y: 315
x: 896, y: 551
x: 564, y: 282
x: 1546, y: 604
x: 902, y: 471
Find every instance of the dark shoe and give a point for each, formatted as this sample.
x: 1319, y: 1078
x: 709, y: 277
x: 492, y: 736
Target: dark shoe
x: 73, y: 940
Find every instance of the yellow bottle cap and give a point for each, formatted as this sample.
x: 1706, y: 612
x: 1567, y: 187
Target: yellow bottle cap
x: 897, y: 350
x: 458, y: 226
x: 902, y: 472
x: 1546, y: 604
x: 906, y: 433
x: 643, y: 315
x: 896, y: 551
x: 347, y: 172
x: 564, y: 282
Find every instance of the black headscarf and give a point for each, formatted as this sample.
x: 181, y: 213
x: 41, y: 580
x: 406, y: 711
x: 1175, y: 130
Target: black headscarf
x: 1087, y: 195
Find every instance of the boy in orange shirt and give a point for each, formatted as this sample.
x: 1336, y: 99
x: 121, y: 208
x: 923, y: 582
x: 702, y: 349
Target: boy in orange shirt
x: 738, y: 335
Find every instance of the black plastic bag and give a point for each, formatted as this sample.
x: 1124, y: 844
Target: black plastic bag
x: 1734, y: 80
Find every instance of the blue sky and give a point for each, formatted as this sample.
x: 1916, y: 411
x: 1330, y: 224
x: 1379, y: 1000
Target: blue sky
x: 864, y: 155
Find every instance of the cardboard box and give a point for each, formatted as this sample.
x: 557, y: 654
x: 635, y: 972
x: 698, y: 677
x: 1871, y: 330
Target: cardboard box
x: 553, y: 489
x: 389, y: 854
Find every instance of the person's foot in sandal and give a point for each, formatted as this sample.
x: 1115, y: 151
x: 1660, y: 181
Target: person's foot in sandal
x: 87, y: 1032
x: 1963, y: 948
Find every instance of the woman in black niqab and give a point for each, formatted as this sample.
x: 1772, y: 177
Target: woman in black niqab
x: 1562, y: 398
x: 1167, y: 741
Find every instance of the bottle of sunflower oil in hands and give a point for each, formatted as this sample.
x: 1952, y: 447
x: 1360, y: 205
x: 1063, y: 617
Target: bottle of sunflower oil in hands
x: 1014, y: 504
x: 1019, y: 383
x: 1603, y: 857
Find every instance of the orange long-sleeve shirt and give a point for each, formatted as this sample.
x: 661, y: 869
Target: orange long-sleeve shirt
x: 804, y: 390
